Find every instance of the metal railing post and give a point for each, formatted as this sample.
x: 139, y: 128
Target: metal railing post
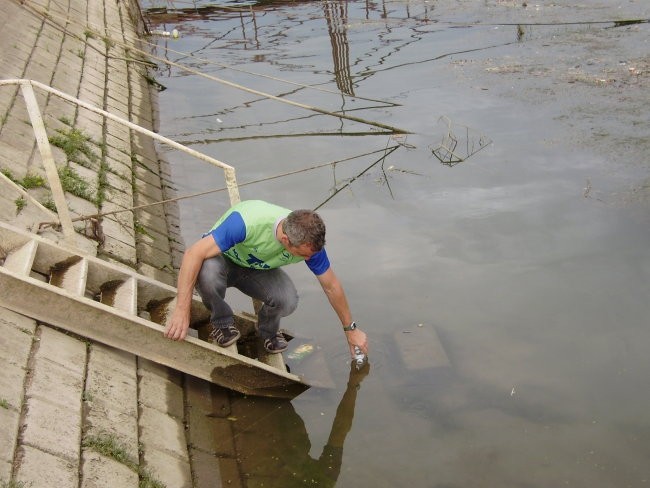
x: 48, y: 162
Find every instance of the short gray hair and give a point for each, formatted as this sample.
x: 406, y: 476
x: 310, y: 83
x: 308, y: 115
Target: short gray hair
x: 305, y: 227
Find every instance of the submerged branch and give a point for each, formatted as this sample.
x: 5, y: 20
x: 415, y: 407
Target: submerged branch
x: 388, y: 152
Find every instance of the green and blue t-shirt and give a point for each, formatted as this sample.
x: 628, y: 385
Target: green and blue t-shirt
x: 246, y: 235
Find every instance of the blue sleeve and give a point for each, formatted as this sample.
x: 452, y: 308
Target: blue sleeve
x: 318, y: 263
x: 230, y: 232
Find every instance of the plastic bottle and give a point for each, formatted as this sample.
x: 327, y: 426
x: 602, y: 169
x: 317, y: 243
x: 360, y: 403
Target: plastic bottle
x: 359, y: 357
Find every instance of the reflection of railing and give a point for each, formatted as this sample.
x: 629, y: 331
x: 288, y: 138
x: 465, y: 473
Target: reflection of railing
x: 48, y: 159
x: 336, y: 14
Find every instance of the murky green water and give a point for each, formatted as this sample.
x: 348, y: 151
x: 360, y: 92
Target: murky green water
x: 529, y: 259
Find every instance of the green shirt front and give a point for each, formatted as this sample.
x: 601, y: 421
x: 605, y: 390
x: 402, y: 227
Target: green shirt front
x: 246, y: 234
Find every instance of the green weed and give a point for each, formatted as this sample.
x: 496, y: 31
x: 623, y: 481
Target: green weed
x: 75, y: 184
x: 50, y: 205
x: 75, y: 144
x: 21, y: 203
x: 32, y: 180
x: 8, y: 174
x: 111, y: 447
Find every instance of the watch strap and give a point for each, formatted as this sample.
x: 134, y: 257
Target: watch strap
x: 350, y: 327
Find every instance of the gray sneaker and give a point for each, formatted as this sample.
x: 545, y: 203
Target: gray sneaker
x: 224, y: 336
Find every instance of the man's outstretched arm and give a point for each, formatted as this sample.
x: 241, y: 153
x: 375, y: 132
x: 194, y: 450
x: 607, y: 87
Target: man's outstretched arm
x: 190, y: 267
x: 336, y: 296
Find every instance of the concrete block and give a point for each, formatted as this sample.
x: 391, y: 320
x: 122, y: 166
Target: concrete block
x: 159, y: 431
x: 102, y: 420
x: 111, y: 389
x: 5, y: 470
x: 164, y: 276
x: 148, y: 180
x: 41, y: 469
x: 117, y: 229
x: 160, y: 388
x: 156, y: 239
x: 54, y: 383
x: 120, y: 185
x: 154, y: 256
x: 151, y: 221
x: 99, y: 471
x: 118, y: 148
x: 12, y: 158
x: 53, y: 428
x: 121, y: 251
x: 168, y: 469
x: 108, y: 358
x: 155, y: 208
x: 12, y: 379
x: 62, y: 349
x: 121, y: 136
x: 9, y: 420
x: 16, y: 344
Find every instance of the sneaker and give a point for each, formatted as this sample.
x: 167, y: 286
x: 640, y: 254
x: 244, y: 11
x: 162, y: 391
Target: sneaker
x: 224, y: 336
x: 276, y: 344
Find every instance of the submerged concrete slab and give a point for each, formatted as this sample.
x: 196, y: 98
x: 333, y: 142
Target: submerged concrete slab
x: 420, y: 348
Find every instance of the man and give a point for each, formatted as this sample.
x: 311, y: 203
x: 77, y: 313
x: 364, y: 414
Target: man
x: 245, y: 249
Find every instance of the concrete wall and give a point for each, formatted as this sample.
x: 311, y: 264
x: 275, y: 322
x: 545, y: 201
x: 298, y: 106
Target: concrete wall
x: 63, y: 399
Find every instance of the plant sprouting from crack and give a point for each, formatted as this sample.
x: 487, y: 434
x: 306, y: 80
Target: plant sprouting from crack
x: 75, y: 184
x: 75, y: 144
x: 21, y: 203
x: 109, y: 446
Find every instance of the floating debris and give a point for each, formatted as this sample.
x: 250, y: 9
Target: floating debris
x: 174, y: 33
x: 301, y: 352
x: 454, y: 149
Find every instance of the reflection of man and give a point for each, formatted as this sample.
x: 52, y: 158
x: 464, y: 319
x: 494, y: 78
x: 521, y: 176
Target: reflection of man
x: 245, y: 249
x: 273, y: 445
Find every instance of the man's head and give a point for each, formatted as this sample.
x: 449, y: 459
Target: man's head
x: 304, y: 228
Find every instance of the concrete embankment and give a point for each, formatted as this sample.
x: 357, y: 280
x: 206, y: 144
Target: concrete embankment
x: 74, y: 412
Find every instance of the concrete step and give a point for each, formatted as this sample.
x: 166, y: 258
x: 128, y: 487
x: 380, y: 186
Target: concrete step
x: 118, y: 307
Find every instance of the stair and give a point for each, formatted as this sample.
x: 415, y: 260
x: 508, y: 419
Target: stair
x: 118, y: 307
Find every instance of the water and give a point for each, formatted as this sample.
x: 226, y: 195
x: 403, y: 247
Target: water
x: 529, y: 259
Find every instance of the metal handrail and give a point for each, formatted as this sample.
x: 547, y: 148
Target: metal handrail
x: 45, y: 150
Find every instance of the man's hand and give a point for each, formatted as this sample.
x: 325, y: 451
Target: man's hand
x: 177, y: 327
x: 193, y: 259
x: 358, y: 338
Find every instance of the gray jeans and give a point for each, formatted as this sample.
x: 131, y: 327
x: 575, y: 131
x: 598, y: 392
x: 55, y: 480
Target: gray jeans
x: 273, y: 287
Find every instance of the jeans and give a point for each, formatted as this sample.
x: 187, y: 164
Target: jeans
x: 273, y: 287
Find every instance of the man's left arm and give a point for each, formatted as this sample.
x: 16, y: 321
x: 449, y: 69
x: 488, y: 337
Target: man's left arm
x: 336, y: 296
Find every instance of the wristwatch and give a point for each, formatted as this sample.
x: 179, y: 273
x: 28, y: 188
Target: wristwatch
x: 350, y: 327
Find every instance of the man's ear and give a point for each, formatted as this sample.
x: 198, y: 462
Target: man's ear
x: 284, y: 239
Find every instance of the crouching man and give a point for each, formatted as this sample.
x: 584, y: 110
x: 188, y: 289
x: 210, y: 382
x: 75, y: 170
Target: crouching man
x: 245, y: 249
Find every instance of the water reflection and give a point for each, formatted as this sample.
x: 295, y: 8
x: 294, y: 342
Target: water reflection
x: 273, y: 445
x: 538, y: 286
x: 336, y: 14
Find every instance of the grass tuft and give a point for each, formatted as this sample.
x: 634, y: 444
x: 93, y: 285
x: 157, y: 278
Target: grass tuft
x: 109, y: 446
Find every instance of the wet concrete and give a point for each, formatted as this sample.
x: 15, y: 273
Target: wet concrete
x: 529, y: 258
